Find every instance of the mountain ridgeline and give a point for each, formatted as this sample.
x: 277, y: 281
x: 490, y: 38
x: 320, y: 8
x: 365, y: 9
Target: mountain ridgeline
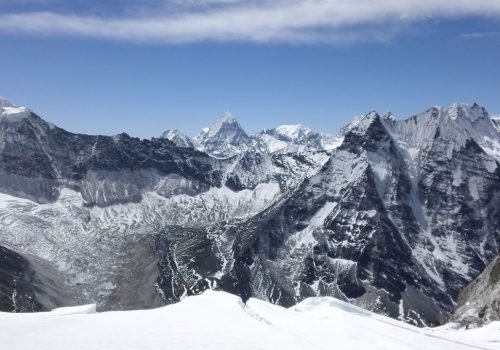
x: 396, y: 216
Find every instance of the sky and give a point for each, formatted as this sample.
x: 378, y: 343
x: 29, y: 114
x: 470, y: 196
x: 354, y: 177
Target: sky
x: 141, y: 67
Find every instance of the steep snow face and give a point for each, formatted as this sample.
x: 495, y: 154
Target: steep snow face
x: 456, y: 126
x: 178, y: 138
x: 224, y: 139
x: 316, y: 323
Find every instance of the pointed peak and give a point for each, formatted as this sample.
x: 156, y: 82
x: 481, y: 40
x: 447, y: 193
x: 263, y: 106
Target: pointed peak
x: 177, y: 137
x: 226, y: 121
x: 227, y: 117
x: 388, y: 116
x: 360, y: 123
x: 170, y: 133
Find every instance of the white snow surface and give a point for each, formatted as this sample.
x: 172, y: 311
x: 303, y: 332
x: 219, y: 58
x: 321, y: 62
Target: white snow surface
x: 11, y: 111
x: 292, y: 131
x: 217, y: 320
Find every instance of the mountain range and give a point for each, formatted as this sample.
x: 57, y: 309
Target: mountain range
x: 397, y: 216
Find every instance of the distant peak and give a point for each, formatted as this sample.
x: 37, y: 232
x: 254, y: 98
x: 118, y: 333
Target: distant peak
x: 177, y: 137
x: 292, y: 131
x: 227, y: 117
x: 389, y: 116
x: 225, y: 122
x: 471, y: 112
x: 11, y: 111
x: 170, y: 133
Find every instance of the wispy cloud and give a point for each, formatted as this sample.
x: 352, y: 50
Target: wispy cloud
x: 254, y: 20
x: 480, y: 35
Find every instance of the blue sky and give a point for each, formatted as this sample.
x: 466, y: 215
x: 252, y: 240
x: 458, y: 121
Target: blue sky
x: 144, y: 66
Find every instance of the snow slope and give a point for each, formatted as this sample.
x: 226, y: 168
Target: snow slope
x: 217, y: 320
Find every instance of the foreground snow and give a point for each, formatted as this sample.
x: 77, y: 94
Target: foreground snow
x: 217, y: 320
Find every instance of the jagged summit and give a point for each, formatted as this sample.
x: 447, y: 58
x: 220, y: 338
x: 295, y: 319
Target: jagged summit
x: 389, y: 117
x: 225, y: 138
x: 226, y: 123
x: 472, y: 112
x: 177, y: 137
x: 292, y: 131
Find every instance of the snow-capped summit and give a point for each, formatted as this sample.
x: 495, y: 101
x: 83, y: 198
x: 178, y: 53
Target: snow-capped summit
x: 295, y: 138
x: 225, y: 138
x: 292, y: 131
x: 177, y: 137
x: 222, y: 123
x: 471, y: 112
x: 389, y: 117
x: 11, y: 111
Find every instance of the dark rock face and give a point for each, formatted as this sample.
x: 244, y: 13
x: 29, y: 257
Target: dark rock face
x: 27, y: 286
x: 224, y: 139
x: 479, y: 302
x: 16, y: 292
x: 37, y: 159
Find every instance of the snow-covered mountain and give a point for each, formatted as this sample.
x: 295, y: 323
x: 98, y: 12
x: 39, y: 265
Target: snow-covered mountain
x: 294, y: 139
x: 224, y: 139
x: 218, y: 320
x: 401, y: 217
x: 177, y: 137
x: 396, y: 216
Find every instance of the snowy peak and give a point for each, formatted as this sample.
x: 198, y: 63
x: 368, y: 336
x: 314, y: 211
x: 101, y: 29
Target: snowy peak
x: 225, y: 138
x: 471, y: 112
x: 177, y: 137
x: 292, y: 131
x: 11, y: 111
x: 227, y: 125
x: 295, y: 138
x: 389, y: 117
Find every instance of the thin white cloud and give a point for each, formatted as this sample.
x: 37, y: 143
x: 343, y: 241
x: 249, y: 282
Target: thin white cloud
x: 255, y: 21
x: 480, y: 35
